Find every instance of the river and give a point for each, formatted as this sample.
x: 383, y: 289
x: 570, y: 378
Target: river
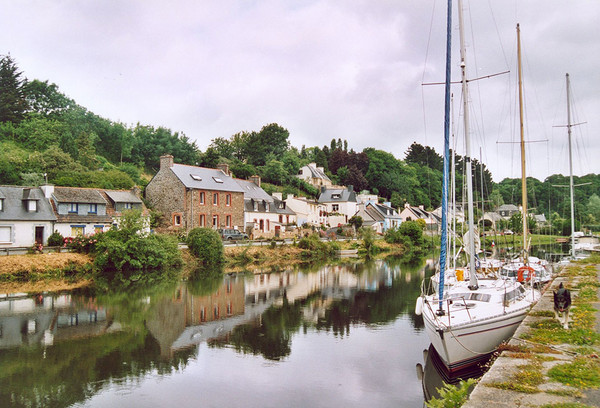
x: 331, y: 335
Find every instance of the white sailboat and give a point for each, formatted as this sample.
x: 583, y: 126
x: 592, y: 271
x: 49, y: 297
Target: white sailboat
x: 469, y: 319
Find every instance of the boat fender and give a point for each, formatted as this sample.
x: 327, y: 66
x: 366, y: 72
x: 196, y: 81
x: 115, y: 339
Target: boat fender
x: 460, y: 275
x: 419, y: 306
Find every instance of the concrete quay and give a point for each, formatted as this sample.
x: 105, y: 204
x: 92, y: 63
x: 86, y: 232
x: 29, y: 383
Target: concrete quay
x: 509, y: 363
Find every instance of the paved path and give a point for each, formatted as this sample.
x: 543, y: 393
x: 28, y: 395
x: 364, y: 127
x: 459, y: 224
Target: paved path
x: 506, y: 365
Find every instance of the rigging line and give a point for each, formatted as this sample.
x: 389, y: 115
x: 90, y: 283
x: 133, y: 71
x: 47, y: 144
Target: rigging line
x: 468, y: 80
x: 424, y: 69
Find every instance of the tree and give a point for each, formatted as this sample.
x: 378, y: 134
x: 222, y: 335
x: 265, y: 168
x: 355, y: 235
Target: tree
x: 13, y: 104
x: 45, y: 99
x: 425, y: 156
x: 272, y: 139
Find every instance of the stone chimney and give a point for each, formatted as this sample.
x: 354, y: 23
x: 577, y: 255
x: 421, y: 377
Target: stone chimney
x: 48, y: 190
x: 350, y: 188
x: 224, y: 167
x: 166, y: 161
x: 255, y: 179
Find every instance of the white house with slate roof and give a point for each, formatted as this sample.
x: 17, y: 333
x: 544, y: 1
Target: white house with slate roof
x: 264, y: 215
x: 314, y: 175
x: 79, y: 211
x: 340, y: 204
x: 26, y: 217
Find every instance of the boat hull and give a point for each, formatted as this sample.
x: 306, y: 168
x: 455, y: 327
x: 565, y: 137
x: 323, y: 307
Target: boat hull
x: 467, y: 344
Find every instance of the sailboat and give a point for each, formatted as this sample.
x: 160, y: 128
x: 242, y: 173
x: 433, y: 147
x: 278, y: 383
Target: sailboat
x: 467, y: 321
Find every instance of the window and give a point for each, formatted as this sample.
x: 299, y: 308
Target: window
x: 93, y: 209
x: 228, y: 221
x: 228, y: 200
x: 216, y: 312
x: 77, y: 230
x: 215, y: 223
x: 73, y: 207
x: 5, y: 233
x: 280, y: 218
x: 218, y: 180
x: 1, y: 204
x: 335, y: 207
x: 215, y: 198
x: 336, y: 196
x: 32, y: 206
x: 98, y: 228
x: 202, y: 197
x: 128, y: 206
x: 196, y: 177
x: 177, y: 219
x: 229, y: 309
x: 203, y: 220
x: 203, y: 314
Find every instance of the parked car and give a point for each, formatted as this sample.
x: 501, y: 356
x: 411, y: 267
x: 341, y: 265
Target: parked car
x: 507, y: 232
x: 232, y: 235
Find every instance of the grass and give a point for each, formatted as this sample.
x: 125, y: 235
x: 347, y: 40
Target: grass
x: 583, y: 372
x: 526, y: 380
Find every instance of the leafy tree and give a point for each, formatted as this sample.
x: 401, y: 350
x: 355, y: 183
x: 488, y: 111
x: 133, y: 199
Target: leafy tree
x: 206, y: 245
x: 13, y: 103
x: 356, y: 221
x: 272, y: 139
x: 274, y: 172
x: 593, y: 207
x: 46, y: 100
x: 425, y: 156
x: 413, y: 230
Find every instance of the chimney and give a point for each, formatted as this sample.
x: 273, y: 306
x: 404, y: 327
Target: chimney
x: 421, y: 207
x: 224, y: 167
x: 48, y: 190
x: 350, y: 188
x: 278, y: 196
x: 255, y: 179
x: 166, y: 161
x: 323, y: 188
x: 135, y: 190
x: 406, y: 205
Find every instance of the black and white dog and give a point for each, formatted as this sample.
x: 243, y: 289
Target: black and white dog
x: 562, y: 303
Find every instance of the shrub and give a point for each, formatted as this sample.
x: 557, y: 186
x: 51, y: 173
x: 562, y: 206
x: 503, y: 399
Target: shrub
x: 368, y: 244
x: 55, y: 239
x: 82, y: 244
x: 314, y: 248
x: 206, y: 245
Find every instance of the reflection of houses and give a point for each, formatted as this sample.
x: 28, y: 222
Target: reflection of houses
x: 26, y: 216
x: 46, y: 319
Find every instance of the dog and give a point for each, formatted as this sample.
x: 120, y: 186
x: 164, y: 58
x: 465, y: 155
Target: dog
x: 562, y: 303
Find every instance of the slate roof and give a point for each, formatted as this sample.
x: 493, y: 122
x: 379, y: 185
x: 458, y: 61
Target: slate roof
x: 77, y: 195
x: 14, y: 208
x: 122, y: 196
x: 385, y: 211
x: 330, y: 195
x: 255, y: 194
x: 317, y: 173
x: 508, y: 207
x: 252, y: 191
x: 202, y: 178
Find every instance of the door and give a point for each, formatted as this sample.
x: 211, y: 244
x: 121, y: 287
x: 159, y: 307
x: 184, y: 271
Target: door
x: 39, y: 235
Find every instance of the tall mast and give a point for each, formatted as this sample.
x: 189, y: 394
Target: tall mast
x: 570, y: 167
x: 463, y: 67
x: 523, y: 173
x: 444, y: 237
x: 482, y: 204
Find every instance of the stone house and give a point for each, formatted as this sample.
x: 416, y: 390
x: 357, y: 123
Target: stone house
x: 192, y: 196
x: 26, y: 217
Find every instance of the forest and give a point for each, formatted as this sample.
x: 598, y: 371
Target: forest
x: 46, y: 137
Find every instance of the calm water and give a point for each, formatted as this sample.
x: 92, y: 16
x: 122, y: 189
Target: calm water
x: 342, y: 335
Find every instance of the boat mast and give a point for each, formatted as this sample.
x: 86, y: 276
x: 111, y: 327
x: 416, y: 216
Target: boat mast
x: 482, y: 205
x: 465, y: 91
x: 444, y: 237
x: 523, y: 173
x: 570, y: 167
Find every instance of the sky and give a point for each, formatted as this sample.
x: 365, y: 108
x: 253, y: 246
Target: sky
x: 325, y: 69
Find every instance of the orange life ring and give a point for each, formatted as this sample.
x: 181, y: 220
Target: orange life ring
x: 521, y: 271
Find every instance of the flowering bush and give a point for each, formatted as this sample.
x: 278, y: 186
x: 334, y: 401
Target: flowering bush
x: 81, y: 244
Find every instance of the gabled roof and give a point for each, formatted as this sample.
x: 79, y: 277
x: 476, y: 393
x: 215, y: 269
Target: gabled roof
x: 77, y: 195
x: 337, y: 195
x: 202, y: 178
x: 317, y: 173
x: 122, y: 196
x: 14, y: 208
x: 252, y: 191
x: 384, y: 210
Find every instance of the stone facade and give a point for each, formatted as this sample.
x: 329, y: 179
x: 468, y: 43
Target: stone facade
x: 184, y: 196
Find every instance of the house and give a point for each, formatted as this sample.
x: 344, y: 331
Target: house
x: 507, y: 210
x: 192, y: 196
x: 264, y: 216
x: 410, y: 213
x: 26, y: 217
x: 79, y: 211
x: 457, y: 213
x: 308, y: 212
x: 119, y: 201
x: 340, y: 204
x: 314, y: 175
x: 380, y: 217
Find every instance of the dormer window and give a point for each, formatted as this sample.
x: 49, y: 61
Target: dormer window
x: 337, y: 196
x: 93, y: 209
x: 73, y: 208
x: 128, y: 206
x: 266, y: 206
x: 255, y: 205
x: 32, y: 205
x: 218, y: 180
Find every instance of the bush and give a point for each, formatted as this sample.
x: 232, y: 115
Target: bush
x: 56, y: 239
x: 314, y: 248
x: 82, y: 244
x: 206, y: 245
x: 368, y: 244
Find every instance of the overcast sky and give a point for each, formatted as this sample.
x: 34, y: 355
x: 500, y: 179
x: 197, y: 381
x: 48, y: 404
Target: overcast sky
x: 324, y: 69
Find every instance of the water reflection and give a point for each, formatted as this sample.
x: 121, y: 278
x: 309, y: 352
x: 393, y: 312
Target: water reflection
x: 60, y: 350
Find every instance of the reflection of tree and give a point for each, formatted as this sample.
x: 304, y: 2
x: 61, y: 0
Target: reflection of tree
x: 72, y: 371
x: 270, y: 336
